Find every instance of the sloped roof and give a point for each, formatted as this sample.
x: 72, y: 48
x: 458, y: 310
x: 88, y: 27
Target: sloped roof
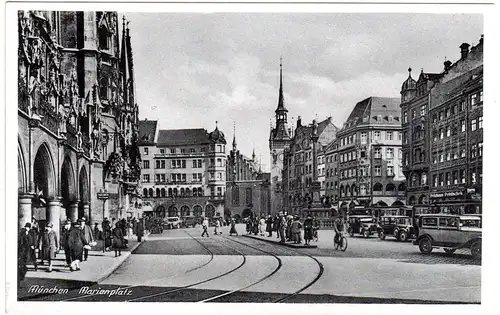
x: 147, y: 132
x: 375, y: 110
x: 177, y: 137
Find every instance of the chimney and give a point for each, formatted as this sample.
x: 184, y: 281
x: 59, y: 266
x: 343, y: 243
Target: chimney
x: 299, y: 122
x: 447, y: 65
x: 481, y: 41
x: 464, y: 50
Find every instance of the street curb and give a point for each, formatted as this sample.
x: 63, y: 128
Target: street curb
x: 120, y: 262
x: 278, y: 243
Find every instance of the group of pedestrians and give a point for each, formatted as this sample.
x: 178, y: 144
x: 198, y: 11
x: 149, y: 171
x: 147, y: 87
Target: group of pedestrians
x: 217, y: 227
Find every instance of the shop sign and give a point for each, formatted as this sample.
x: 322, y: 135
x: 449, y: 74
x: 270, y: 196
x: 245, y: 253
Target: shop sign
x: 447, y: 194
x: 102, y: 195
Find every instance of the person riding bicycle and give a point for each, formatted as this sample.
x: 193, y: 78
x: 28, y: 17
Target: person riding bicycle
x: 338, y: 227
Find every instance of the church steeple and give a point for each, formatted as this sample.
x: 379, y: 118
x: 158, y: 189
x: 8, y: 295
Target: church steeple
x: 234, y: 137
x: 253, y: 153
x: 280, y: 132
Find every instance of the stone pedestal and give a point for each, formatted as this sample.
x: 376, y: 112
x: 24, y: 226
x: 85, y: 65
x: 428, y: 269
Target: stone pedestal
x: 24, y: 209
x: 72, y: 212
x: 53, y: 215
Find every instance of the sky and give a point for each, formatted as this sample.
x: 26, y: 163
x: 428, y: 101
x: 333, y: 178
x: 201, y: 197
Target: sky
x: 193, y: 69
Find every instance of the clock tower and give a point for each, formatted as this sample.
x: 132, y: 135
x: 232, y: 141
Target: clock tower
x: 279, y: 139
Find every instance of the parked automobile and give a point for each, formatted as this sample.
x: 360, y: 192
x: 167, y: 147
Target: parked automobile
x: 191, y: 221
x: 172, y: 223
x: 405, y: 229
x: 450, y: 232
x: 362, y: 224
x: 156, y: 226
x: 387, y: 226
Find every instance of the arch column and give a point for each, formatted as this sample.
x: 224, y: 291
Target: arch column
x: 53, y: 214
x: 72, y: 211
x: 24, y: 208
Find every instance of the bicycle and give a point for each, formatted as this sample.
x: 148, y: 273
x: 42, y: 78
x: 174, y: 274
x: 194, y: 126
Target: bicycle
x: 341, y: 243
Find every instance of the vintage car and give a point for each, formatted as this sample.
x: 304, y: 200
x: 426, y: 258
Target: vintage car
x: 172, y: 223
x: 388, y: 225
x: 362, y: 224
x: 450, y: 232
x: 191, y: 221
x: 404, y: 229
x: 156, y: 226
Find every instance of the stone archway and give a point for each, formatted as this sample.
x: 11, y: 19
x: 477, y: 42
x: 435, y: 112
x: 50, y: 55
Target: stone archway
x: 84, y: 193
x: 185, y: 211
x: 68, y: 189
x: 197, y: 211
x: 209, y: 211
x: 46, y: 206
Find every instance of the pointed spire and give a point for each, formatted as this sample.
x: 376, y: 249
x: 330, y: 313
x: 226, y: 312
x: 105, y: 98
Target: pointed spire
x: 253, y: 153
x: 234, y: 136
x: 281, y: 99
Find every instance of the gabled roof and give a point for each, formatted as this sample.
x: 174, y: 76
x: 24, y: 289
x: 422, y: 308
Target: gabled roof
x: 178, y: 137
x: 147, y: 132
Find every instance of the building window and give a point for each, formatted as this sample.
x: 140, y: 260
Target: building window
x: 455, y: 154
x: 376, y: 135
x: 480, y: 149
x: 448, y: 132
x: 388, y: 135
x: 236, y: 195
x: 473, y: 124
x: 162, y: 151
x: 441, y: 179
x: 473, y: 178
x: 448, y: 155
x: 146, y: 151
x: 157, y: 164
x: 377, y: 153
x: 462, y: 176
x: 390, y: 171
x: 378, y: 171
x: 405, y: 117
x: 145, y: 164
x: 192, y: 150
x: 441, y: 134
x: 480, y: 122
x: 248, y: 196
x: 145, y: 178
x: 390, y: 153
x: 462, y: 152
x: 219, y: 162
x: 473, y: 99
x: 172, y: 151
x: 364, y: 138
x: 473, y: 151
x: 183, y: 150
x: 462, y: 122
x: 455, y: 177
x: 434, y: 157
x: 434, y: 180
x: 422, y: 110
x: 448, y: 179
x: 405, y: 138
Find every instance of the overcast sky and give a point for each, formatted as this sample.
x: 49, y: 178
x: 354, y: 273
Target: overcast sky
x: 195, y: 69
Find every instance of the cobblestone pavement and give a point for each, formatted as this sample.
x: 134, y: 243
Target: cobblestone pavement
x: 179, y: 265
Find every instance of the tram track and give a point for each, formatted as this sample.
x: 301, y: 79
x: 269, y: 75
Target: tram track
x: 158, y: 279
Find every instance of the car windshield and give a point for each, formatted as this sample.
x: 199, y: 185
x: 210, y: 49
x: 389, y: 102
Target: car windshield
x: 404, y: 221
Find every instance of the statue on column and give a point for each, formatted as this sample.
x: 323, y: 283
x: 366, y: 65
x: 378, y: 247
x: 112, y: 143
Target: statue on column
x: 96, y: 136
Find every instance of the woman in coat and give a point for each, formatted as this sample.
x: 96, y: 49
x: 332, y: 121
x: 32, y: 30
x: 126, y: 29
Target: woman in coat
x: 76, y: 241
x: 233, y: 228
x: 118, y: 239
x: 106, y: 234
x: 262, y: 226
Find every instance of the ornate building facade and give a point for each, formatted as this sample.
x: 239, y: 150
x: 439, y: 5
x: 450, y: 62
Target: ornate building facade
x: 77, y: 117
x: 183, y: 170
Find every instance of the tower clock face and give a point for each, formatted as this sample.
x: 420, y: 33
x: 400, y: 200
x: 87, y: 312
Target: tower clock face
x: 305, y: 143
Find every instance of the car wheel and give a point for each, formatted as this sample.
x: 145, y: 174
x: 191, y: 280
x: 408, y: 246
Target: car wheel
x: 449, y: 251
x: 475, y: 250
x: 366, y: 233
x: 381, y: 235
x: 350, y: 231
x: 403, y: 236
x: 425, y: 245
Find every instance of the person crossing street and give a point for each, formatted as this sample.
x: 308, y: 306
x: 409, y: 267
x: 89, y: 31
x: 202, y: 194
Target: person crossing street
x: 205, y: 227
x: 48, y: 245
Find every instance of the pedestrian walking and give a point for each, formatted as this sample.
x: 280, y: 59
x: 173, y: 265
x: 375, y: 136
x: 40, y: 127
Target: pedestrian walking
x: 76, y: 242
x: 48, y: 245
x: 65, y: 243
x: 233, y: 228
x: 269, y: 226
x: 97, y: 233
x: 106, y: 234
x: 281, y: 229
x: 205, y: 227
x: 296, y: 226
x: 276, y: 224
x: 26, y: 245
x: 262, y: 226
x: 217, y: 227
x: 118, y: 238
x: 140, y: 229
x: 89, y: 237
x: 288, y: 231
x: 308, y: 230
x: 249, y: 225
x: 255, y: 226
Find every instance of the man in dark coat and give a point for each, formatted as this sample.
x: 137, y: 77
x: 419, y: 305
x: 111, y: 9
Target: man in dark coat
x: 269, y: 226
x: 64, y: 242
x: 49, y: 245
x: 89, y: 237
x: 308, y: 229
x: 118, y: 238
x: 76, y: 241
x: 106, y: 234
x: 23, y: 251
x: 140, y: 229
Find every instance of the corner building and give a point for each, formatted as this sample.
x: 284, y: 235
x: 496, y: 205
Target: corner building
x: 369, y: 155
x: 183, y: 170
x: 77, y: 117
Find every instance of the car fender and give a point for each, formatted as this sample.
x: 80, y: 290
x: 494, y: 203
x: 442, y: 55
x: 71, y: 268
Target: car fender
x: 472, y: 241
x: 423, y: 236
